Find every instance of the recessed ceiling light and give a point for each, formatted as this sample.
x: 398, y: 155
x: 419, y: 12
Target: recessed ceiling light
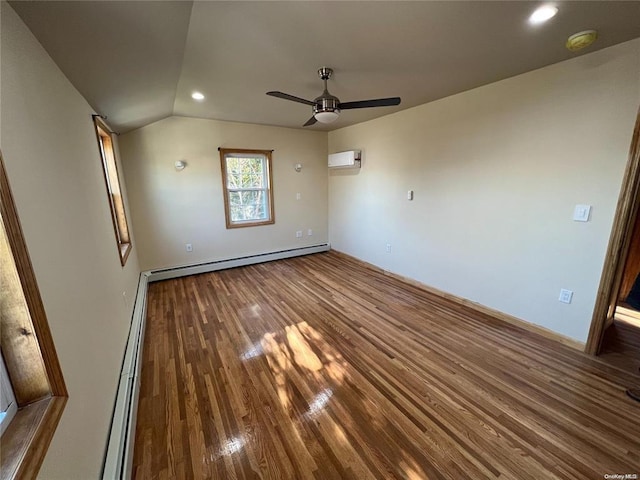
x: 543, y: 14
x: 197, y: 96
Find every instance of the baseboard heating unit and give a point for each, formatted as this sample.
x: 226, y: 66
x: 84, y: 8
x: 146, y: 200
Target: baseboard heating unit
x: 164, y: 274
x: 118, y: 461
x: 119, y: 456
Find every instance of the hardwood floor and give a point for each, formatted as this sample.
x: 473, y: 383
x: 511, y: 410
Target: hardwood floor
x: 621, y: 341
x: 319, y: 368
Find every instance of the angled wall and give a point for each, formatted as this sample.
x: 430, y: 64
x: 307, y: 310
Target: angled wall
x: 51, y: 155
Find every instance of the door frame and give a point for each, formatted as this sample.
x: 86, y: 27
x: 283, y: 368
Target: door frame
x: 618, y: 249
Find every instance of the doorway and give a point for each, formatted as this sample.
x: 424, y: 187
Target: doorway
x: 616, y: 317
x: 620, y: 344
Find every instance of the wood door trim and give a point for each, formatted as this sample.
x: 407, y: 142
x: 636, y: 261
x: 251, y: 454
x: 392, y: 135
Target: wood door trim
x: 618, y: 249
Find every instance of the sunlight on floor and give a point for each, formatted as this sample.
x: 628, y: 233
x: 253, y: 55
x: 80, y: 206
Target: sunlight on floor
x: 231, y: 446
x: 319, y: 402
x: 627, y: 315
x: 291, y: 350
x: 411, y: 468
x: 253, y: 351
x: 302, y: 352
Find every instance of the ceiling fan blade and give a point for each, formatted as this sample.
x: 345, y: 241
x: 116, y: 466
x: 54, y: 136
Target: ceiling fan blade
x: 379, y: 102
x: 286, y: 96
x: 311, y: 121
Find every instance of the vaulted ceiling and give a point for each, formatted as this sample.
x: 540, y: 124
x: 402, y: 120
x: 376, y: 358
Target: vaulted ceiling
x: 139, y: 61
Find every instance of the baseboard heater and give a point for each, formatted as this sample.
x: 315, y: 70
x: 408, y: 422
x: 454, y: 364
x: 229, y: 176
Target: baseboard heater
x: 118, y: 461
x: 119, y: 456
x: 175, y: 272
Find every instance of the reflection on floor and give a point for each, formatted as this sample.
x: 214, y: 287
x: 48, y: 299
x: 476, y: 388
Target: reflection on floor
x: 320, y: 368
x: 621, y: 341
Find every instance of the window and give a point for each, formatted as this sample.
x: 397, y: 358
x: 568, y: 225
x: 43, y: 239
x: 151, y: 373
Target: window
x: 31, y: 384
x: 247, y: 185
x: 8, y: 405
x: 116, y: 202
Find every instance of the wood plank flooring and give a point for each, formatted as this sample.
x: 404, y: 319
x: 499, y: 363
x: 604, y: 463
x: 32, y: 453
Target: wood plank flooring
x: 320, y: 368
x: 621, y: 343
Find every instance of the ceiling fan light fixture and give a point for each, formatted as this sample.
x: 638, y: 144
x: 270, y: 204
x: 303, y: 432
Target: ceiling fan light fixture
x: 326, y: 107
x: 327, y: 117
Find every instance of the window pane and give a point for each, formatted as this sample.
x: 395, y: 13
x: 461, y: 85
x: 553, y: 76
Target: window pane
x: 248, y: 205
x: 246, y: 172
x: 109, y: 165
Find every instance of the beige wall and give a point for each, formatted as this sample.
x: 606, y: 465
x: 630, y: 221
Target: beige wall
x: 497, y: 172
x: 51, y: 155
x: 171, y: 208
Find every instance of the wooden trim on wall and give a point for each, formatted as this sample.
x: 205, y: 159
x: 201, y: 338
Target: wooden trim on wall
x: 618, y: 249
x: 25, y: 442
x: 631, y: 267
x: 517, y: 322
x: 27, y: 277
x: 27, y: 438
x: 123, y: 239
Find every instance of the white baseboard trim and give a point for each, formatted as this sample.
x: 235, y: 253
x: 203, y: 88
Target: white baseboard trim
x: 175, y: 272
x: 118, y: 461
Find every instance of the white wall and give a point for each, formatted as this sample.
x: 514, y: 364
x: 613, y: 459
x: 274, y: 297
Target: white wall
x: 171, y: 208
x: 497, y: 172
x: 51, y: 155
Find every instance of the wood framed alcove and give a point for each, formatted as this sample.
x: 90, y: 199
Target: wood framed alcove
x: 28, y: 351
x: 618, y: 249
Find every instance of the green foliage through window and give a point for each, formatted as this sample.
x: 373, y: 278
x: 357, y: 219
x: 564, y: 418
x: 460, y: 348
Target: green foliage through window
x: 247, y: 187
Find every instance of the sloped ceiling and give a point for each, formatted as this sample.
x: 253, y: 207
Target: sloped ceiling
x: 139, y: 61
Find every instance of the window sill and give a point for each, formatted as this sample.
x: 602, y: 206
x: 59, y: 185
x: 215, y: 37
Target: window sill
x: 251, y: 224
x: 25, y: 442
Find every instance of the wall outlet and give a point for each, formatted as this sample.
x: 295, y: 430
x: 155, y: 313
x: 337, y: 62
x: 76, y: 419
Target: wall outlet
x: 298, y: 196
x: 309, y: 232
x: 387, y: 248
x: 189, y: 247
x: 299, y: 234
x: 565, y: 296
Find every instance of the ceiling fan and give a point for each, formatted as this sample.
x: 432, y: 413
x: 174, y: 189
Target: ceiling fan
x: 326, y: 108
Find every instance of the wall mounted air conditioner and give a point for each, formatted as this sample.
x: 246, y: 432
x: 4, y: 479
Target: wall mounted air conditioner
x: 350, y: 159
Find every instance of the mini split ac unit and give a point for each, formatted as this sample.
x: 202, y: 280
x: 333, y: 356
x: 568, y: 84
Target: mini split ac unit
x: 350, y: 159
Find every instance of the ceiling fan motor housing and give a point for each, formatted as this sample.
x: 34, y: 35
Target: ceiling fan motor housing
x: 326, y: 103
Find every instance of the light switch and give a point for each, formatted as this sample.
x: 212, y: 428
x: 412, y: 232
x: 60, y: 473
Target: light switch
x: 581, y: 213
x: 565, y: 295
x: 409, y: 194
